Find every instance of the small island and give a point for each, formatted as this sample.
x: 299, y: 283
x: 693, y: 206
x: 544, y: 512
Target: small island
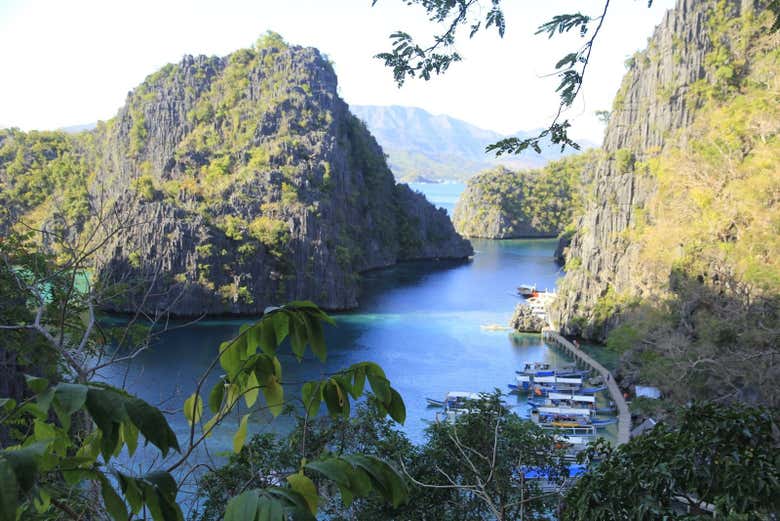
x: 505, y: 204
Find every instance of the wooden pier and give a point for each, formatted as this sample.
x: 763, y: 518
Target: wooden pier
x: 624, y: 416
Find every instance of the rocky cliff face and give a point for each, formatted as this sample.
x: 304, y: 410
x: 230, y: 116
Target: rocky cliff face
x: 244, y: 181
x: 658, y: 96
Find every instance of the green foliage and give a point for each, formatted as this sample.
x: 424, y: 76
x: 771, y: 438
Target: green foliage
x: 44, y: 172
x: 274, y: 234
x: 722, y: 456
x: 501, y: 203
x: 622, y: 338
x: 77, y: 428
x: 270, y: 40
x: 144, y: 186
x: 624, y: 161
x: 708, y: 238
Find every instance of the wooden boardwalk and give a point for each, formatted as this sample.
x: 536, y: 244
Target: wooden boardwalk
x: 624, y: 416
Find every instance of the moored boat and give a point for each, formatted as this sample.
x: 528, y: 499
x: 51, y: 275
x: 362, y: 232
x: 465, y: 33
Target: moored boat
x: 454, y: 399
x: 526, y: 290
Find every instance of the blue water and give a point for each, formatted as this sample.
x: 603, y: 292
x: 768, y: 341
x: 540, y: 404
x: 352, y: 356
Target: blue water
x: 420, y: 321
x: 444, y: 195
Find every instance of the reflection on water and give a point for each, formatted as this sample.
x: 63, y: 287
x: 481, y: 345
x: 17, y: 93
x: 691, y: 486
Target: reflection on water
x: 420, y: 321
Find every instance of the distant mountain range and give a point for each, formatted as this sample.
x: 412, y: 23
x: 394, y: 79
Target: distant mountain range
x: 425, y: 147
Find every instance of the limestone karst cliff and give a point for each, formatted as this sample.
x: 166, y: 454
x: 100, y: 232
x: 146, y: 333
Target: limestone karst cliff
x: 240, y: 182
x: 676, y: 258
x: 659, y: 96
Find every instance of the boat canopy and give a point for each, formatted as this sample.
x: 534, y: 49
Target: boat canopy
x: 572, y: 397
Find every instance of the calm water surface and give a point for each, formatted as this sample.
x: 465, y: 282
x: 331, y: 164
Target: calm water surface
x: 420, y: 321
x: 441, y: 194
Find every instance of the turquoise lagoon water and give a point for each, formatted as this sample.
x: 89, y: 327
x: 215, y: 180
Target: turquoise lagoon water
x: 444, y: 195
x: 421, y: 321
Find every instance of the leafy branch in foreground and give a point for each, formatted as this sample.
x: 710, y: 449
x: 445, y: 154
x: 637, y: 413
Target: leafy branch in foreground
x: 409, y: 59
x: 110, y: 421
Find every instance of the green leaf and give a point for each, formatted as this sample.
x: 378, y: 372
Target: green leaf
x: 44, y: 399
x: 152, y: 424
x: 358, y: 380
x: 230, y: 358
x: 243, y: 507
x: 381, y: 387
x: 312, y: 397
x: 335, y: 399
x: 193, y: 408
x: 8, y: 491
x: 274, y: 395
x: 385, y: 479
x: 163, y: 506
x: 252, y: 390
x: 396, y: 408
x: 107, y: 410
x: 114, y: 504
x: 42, y: 501
x: 216, y: 396
x: 297, y: 335
x: 304, y: 486
x: 268, y: 342
x: 316, y: 338
x: 70, y: 397
x: 132, y: 492
x: 129, y: 434
x: 239, y: 438
x: 281, y: 323
x: 36, y: 383
x: 24, y: 463
x: 253, y: 338
x: 295, y: 503
x: 6, y: 404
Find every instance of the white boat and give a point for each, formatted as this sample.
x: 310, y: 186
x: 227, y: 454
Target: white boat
x: 526, y: 380
x: 453, y: 399
x: 562, y: 410
x: 571, y: 397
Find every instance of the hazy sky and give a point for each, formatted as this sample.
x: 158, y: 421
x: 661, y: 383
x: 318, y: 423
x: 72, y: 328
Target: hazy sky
x: 67, y: 62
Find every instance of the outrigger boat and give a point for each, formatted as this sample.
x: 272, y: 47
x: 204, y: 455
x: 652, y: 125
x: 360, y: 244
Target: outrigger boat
x: 454, y: 399
x: 558, y: 383
x: 556, y: 398
x: 526, y: 290
x: 540, y: 402
x: 545, y: 390
x: 557, y: 420
x: 540, y: 369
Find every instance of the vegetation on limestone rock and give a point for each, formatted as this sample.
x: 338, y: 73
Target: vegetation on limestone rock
x: 502, y: 204
x: 253, y: 155
x: 693, y: 302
